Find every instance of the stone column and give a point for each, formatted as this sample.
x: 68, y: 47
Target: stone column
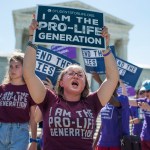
x: 121, y: 47
x: 112, y: 42
x: 4, y: 67
x: 19, y: 35
x: 79, y: 56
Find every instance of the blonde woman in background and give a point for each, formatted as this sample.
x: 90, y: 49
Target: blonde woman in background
x: 16, y: 109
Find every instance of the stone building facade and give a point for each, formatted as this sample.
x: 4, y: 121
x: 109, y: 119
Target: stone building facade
x: 3, y: 67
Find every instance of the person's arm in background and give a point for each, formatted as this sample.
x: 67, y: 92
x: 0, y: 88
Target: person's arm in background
x: 97, y: 78
x: 134, y: 115
x: 135, y: 120
x: 142, y: 105
x: 112, y: 75
x: 33, y: 128
x: 133, y: 102
x: 48, y: 84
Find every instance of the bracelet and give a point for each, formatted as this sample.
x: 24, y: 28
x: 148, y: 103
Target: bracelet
x: 107, y: 53
x: 34, y: 140
x: 30, y: 35
x: 32, y: 45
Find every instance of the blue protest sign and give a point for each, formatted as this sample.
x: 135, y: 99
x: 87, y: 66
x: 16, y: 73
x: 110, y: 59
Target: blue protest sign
x: 69, y: 26
x: 49, y: 64
x: 94, y: 60
x: 128, y: 72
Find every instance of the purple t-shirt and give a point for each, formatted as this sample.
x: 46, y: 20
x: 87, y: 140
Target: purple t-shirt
x: 136, y: 128
x: 111, y: 123
x: 145, y: 134
x: 15, y: 103
x: 69, y: 125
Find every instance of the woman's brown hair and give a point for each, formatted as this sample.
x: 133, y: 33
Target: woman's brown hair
x: 17, y: 56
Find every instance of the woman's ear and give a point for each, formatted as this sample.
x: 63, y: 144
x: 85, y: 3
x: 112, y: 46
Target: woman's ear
x: 61, y: 83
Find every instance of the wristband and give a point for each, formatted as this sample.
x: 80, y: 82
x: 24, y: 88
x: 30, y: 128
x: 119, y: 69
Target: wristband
x: 34, y: 140
x: 107, y: 53
x: 32, y: 45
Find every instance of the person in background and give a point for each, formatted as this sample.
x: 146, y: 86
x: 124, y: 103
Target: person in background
x: 144, y: 104
x: 16, y: 109
x: 136, y: 115
x: 112, y: 127
x: 69, y: 115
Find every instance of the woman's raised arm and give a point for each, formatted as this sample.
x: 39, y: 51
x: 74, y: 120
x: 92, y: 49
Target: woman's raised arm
x: 35, y: 85
x: 112, y: 75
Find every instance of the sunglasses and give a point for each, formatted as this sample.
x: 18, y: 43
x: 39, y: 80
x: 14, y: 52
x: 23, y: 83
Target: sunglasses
x: 142, y: 92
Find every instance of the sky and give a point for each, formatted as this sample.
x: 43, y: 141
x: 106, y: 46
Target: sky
x: 136, y: 12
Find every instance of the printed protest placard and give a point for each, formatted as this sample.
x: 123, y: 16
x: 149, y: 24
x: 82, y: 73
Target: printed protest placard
x: 69, y: 26
x: 49, y: 64
x: 94, y: 60
x: 128, y: 72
